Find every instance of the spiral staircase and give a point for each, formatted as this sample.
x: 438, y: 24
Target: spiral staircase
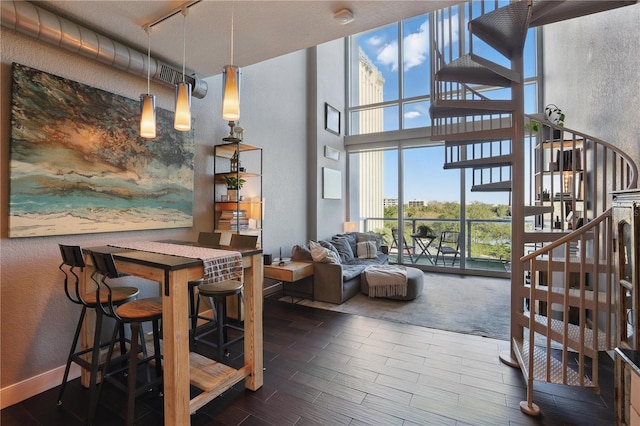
x: 563, y: 298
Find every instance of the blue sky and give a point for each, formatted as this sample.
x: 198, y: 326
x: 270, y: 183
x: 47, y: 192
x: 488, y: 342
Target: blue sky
x: 423, y: 167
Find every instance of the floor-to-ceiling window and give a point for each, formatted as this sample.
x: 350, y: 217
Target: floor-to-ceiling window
x: 399, y: 169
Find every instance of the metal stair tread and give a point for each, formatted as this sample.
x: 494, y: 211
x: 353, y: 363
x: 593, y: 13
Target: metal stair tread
x: 557, y: 327
x: 478, y: 136
x: 502, y: 186
x: 557, y: 295
x: 558, y: 263
x: 536, y: 210
x: 544, y: 235
x: 498, y: 160
x: 464, y: 107
x: 548, y: 12
x: 504, y: 29
x: 521, y: 350
x: 472, y: 68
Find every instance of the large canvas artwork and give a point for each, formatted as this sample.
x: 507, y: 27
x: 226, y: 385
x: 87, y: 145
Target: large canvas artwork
x: 78, y: 165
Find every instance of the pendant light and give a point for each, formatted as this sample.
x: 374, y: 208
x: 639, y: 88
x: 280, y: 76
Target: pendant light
x: 231, y: 88
x: 182, y: 115
x: 148, y: 101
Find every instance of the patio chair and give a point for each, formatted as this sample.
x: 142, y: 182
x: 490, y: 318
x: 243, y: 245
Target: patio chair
x: 449, y: 245
x: 405, y: 247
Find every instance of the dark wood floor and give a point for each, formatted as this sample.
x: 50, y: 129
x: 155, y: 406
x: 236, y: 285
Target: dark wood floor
x: 330, y: 368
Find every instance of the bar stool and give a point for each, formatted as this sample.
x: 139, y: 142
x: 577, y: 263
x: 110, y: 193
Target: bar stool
x: 217, y: 294
x: 205, y: 239
x: 72, y: 258
x: 133, y: 313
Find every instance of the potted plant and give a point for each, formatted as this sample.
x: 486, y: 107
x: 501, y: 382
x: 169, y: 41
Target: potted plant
x: 234, y: 184
x: 425, y: 230
x: 554, y: 115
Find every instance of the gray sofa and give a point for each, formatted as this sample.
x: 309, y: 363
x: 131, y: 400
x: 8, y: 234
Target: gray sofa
x: 337, y: 282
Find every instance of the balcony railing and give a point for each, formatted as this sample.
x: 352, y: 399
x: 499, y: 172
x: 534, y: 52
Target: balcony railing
x: 487, y: 249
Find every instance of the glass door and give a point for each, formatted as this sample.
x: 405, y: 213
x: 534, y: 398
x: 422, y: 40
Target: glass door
x: 431, y: 209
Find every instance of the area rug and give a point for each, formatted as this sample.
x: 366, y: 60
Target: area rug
x: 462, y: 304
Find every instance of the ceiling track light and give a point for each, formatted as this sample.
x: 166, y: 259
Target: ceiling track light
x: 148, y: 101
x: 182, y: 114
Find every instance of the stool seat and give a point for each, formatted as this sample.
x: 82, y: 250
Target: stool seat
x: 141, y: 310
x: 134, y: 313
x: 223, y: 288
x: 217, y: 294
x: 119, y: 295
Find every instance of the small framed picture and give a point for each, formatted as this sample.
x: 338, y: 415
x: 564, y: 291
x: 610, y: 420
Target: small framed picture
x: 331, y: 119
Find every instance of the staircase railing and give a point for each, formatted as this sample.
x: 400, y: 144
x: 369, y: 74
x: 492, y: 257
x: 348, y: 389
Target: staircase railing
x: 574, y: 170
x: 563, y: 295
x: 571, y: 305
x: 568, y: 298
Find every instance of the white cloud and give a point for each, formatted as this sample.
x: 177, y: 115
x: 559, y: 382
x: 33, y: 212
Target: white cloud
x: 412, y: 114
x: 388, y: 55
x: 375, y: 40
x: 416, y: 47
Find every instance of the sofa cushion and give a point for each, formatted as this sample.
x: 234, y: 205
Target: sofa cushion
x: 363, y: 236
x: 344, y: 248
x: 352, y: 238
x: 301, y: 253
x: 323, y: 254
x: 367, y: 250
x: 350, y: 272
x: 327, y: 244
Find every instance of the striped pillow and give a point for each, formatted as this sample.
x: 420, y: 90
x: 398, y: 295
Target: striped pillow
x: 367, y: 250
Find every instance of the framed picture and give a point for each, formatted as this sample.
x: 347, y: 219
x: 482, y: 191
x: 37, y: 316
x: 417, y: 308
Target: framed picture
x: 79, y: 166
x: 331, y: 153
x: 331, y: 184
x: 331, y: 119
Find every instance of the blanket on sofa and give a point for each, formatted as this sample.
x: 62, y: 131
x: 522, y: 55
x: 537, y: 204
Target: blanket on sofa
x: 386, y: 280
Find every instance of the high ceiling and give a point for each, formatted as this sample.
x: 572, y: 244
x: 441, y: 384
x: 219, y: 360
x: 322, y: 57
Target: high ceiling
x: 263, y: 29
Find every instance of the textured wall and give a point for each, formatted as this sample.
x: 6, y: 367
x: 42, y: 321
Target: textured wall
x: 592, y: 72
x: 36, y: 319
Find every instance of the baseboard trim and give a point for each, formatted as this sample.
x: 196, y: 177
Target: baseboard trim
x: 18, y: 392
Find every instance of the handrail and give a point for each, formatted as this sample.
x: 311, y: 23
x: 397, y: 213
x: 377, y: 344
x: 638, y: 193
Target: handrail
x: 633, y: 182
x: 569, y: 237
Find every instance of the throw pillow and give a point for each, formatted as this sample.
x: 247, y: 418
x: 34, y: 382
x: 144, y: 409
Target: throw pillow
x: 344, y: 248
x: 301, y: 253
x: 367, y: 250
x: 362, y: 237
x: 352, y: 238
x: 321, y: 254
x: 330, y: 247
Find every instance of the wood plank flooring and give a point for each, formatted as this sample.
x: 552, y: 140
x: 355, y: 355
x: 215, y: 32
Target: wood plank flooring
x: 331, y: 368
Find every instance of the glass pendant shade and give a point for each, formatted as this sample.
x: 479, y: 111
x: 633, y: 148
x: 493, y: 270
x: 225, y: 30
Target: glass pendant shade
x: 231, y: 93
x: 182, y: 116
x: 148, y: 116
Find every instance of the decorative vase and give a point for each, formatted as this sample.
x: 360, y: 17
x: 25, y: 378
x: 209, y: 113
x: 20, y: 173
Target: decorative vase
x: 233, y: 194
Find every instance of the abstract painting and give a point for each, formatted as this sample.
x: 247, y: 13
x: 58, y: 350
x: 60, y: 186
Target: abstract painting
x: 79, y: 166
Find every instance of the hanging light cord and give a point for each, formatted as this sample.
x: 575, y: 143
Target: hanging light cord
x: 148, y: 31
x: 185, y: 12
x: 231, y: 33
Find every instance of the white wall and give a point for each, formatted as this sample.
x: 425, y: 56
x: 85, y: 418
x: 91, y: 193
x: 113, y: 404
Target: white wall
x: 592, y: 72
x: 328, y: 59
x: 36, y: 319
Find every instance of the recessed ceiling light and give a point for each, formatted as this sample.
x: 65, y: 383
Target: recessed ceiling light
x: 344, y: 16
